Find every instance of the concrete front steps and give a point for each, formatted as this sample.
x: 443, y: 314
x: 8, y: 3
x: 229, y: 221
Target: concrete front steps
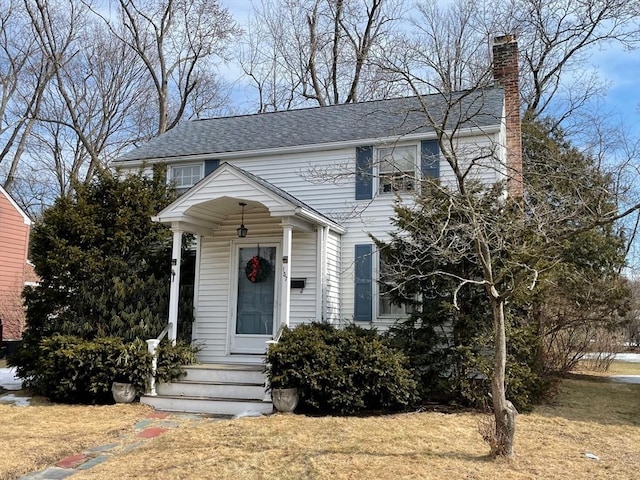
x: 218, y: 389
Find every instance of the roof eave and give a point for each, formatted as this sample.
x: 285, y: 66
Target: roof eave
x: 318, y: 220
x: 223, y: 156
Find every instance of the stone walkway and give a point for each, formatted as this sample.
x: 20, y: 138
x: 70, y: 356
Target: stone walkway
x: 153, y: 425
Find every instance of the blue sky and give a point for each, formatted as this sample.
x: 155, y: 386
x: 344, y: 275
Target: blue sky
x: 622, y: 69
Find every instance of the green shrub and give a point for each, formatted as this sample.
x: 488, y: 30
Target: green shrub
x: 171, y: 358
x: 456, y: 368
x: 340, y: 371
x: 74, y: 370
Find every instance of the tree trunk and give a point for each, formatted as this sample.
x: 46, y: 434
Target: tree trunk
x: 503, y: 410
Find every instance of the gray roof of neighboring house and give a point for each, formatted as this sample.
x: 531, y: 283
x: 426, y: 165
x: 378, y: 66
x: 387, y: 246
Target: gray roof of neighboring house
x: 322, y: 125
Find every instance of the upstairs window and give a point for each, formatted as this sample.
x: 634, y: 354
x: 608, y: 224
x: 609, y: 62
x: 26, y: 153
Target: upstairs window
x: 397, y: 169
x: 185, y: 176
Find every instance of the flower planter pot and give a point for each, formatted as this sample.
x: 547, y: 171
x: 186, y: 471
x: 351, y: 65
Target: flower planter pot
x: 123, y: 392
x: 285, y: 400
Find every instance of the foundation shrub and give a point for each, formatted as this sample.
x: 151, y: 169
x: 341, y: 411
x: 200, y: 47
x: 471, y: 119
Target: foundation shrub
x: 74, y: 370
x: 340, y: 371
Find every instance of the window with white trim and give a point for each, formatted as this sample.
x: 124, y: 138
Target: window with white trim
x: 397, y: 169
x: 385, y: 307
x: 185, y: 176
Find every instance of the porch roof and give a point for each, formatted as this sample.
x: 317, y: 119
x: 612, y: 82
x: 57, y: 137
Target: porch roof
x: 215, y: 197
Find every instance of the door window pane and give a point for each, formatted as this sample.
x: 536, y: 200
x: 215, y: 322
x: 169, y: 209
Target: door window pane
x: 254, y: 314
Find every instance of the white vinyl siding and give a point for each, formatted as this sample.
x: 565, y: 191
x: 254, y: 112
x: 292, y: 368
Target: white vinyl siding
x: 318, y: 179
x: 303, y: 265
x: 305, y: 177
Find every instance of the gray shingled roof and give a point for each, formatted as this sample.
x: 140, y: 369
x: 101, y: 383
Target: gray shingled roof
x: 320, y: 125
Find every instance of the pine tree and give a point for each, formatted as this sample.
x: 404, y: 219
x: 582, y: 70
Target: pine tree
x: 104, y: 266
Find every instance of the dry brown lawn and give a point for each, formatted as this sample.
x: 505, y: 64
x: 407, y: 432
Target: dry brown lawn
x: 588, y: 417
x: 37, y: 436
x: 616, y: 368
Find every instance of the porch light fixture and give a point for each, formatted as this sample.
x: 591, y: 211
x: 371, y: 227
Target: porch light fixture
x: 242, y: 230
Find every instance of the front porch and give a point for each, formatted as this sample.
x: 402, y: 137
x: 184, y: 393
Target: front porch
x: 261, y: 264
x: 239, y: 220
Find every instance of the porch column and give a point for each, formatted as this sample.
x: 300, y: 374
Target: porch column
x: 175, y: 284
x: 321, y: 276
x: 285, y: 290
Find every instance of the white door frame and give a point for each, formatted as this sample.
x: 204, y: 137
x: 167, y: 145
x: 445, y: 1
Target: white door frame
x: 251, y: 344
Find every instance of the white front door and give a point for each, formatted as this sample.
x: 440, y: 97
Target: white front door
x: 254, y: 311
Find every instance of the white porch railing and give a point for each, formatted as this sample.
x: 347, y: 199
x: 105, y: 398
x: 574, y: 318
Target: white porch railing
x: 152, y: 346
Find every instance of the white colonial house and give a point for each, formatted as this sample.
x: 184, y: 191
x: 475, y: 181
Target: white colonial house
x: 282, y: 205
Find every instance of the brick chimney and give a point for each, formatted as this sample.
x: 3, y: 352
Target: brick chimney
x: 505, y: 73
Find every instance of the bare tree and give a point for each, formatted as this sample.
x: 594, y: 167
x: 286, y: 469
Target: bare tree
x: 556, y: 39
x: 85, y: 112
x: 24, y: 74
x: 179, y: 42
x: 510, y: 239
x: 80, y: 82
x: 320, y: 52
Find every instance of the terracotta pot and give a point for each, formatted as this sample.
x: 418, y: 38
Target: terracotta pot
x: 285, y: 400
x: 123, y: 392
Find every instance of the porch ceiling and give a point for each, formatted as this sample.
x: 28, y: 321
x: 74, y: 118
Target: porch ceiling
x: 217, y: 210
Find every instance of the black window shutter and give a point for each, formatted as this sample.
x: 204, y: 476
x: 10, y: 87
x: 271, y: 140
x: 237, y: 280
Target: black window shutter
x: 430, y: 158
x: 210, y: 166
x: 364, y: 173
x: 363, y: 308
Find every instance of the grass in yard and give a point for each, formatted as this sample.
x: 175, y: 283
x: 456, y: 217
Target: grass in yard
x: 587, y: 417
x: 3, y: 363
x: 616, y: 368
x: 38, y: 436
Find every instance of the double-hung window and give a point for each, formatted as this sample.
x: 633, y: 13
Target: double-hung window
x: 185, y: 176
x: 385, y: 307
x: 397, y: 169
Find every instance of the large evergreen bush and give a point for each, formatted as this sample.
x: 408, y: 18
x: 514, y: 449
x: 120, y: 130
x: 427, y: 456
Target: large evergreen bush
x: 340, y: 371
x: 104, y: 269
x: 449, y: 352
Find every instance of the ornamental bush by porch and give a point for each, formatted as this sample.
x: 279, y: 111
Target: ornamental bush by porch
x: 340, y: 371
x: 73, y: 370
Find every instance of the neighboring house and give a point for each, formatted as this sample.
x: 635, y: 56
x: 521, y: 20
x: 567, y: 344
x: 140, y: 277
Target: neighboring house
x: 309, y: 186
x: 14, y: 268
